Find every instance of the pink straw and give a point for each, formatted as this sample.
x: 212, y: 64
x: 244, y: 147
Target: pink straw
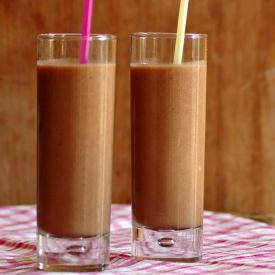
x: 86, y: 30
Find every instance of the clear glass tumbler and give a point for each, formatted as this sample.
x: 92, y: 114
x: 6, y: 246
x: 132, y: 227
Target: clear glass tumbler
x: 75, y: 146
x: 168, y: 103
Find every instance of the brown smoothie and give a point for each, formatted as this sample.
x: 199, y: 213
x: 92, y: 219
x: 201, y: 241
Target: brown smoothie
x: 168, y: 144
x: 75, y: 146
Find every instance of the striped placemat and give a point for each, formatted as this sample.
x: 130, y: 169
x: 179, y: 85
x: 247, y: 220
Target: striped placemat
x: 232, y: 245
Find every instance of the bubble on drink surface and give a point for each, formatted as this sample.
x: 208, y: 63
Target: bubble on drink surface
x: 166, y: 242
x: 76, y: 250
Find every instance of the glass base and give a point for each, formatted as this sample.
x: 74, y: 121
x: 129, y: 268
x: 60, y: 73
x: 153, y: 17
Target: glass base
x: 72, y: 254
x: 167, y: 245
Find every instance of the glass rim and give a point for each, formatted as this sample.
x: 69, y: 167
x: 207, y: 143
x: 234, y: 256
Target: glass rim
x: 76, y: 36
x: 167, y: 35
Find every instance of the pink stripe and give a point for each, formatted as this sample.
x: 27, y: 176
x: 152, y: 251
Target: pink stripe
x: 86, y: 30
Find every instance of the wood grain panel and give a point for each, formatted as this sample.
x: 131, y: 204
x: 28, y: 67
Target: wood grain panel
x: 20, y: 22
x: 240, y: 149
x: 240, y: 141
x: 239, y: 146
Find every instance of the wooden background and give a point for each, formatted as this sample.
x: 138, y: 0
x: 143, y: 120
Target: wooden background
x: 240, y: 140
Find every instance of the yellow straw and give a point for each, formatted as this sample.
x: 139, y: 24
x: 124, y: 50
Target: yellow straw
x: 181, y: 31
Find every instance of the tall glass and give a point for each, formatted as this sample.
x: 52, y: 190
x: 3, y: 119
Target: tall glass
x: 75, y: 146
x: 168, y: 146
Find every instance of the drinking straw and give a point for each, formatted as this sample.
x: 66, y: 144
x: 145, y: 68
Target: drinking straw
x: 86, y: 30
x: 181, y: 31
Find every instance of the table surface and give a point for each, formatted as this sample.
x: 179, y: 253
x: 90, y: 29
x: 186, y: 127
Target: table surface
x: 231, y: 245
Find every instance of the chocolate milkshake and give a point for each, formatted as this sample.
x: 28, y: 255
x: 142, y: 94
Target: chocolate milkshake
x: 168, y: 137
x: 75, y: 141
